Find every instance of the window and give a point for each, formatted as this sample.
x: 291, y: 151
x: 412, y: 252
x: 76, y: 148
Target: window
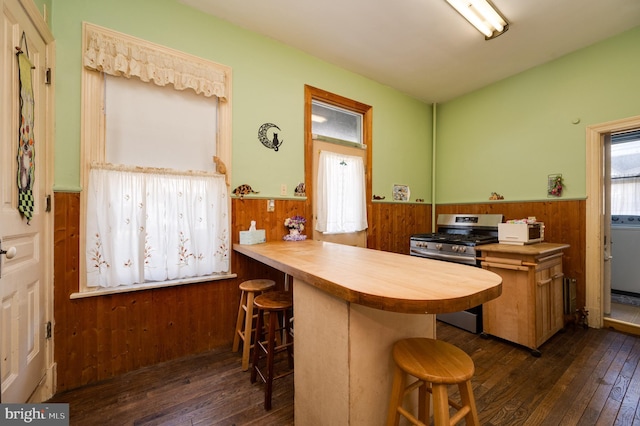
x: 341, y: 187
x: 152, y: 219
x: 625, y: 173
x: 337, y: 201
x: 158, y: 126
x: 331, y: 122
x: 342, y: 204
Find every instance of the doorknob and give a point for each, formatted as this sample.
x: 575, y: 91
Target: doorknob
x: 11, y: 253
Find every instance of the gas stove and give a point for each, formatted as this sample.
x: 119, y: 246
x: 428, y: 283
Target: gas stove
x: 457, y: 237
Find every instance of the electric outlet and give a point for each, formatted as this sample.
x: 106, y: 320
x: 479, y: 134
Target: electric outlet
x: 271, y: 205
x: 283, y: 189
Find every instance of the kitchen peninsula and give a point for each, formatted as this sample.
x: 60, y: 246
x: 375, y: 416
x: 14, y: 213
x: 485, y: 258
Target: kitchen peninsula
x: 350, y: 305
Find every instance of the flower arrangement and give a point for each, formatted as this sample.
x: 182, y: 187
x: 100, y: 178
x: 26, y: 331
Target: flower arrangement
x: 295, y: 225
x: 555, y: 186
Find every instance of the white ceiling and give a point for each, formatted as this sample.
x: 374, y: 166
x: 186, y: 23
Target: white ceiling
x: 424, y: 47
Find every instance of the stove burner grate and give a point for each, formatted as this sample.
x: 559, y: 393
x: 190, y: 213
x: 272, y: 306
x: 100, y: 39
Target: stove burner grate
x: 461, y: 239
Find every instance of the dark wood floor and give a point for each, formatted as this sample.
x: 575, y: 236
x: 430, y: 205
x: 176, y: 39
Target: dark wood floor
x: 584, y: 377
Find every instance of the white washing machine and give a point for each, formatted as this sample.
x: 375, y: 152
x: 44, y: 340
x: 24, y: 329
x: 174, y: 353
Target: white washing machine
x: 625, y: 254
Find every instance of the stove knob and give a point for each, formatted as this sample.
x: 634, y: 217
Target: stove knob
x: 462, y: 249
x: 438, y: 246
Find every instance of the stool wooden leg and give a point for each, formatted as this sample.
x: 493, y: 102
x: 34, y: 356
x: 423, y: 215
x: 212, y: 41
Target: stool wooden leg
x: 423, y: 403
x: 256, y: 351
x: 248, y: 332
x: 239, y: 321
x: 440, y: 404
x: 271, y: 348
x: 288, y: 337
x: 397, y: 393
x: 466, y: 396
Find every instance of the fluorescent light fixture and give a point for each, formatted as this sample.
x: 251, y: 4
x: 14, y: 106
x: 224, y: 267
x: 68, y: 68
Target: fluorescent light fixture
x: 318, y: 118
x: 482, y: 15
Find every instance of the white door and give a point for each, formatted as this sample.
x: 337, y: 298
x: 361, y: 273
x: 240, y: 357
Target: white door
x: 23, y: 281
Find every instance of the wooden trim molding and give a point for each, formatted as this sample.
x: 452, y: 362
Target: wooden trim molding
x: 92, y: 130
x: 310, y: 94
x: 594, y: 254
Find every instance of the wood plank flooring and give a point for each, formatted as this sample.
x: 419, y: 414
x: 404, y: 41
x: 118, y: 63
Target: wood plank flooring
x: 584, y: 377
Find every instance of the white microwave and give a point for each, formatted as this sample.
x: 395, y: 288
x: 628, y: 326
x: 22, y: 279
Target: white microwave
x: 520, y: 233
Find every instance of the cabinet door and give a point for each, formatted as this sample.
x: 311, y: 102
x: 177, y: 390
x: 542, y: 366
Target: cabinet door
x: 548, y: 301
x: 510, y: 316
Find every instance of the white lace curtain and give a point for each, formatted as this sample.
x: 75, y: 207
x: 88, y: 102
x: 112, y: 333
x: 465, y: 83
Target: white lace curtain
x: 121, y: 55
x: 341, y: 194
x: 625, y: 196
x: 147, y: 226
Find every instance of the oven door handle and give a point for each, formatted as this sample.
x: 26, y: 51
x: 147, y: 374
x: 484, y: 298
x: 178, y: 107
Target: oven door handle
x: 455, y: 258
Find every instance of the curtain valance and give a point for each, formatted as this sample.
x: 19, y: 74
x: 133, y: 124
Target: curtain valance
x: 157, y: 170
x: 121, y: 55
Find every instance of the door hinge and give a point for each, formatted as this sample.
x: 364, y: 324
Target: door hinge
x: 48, y: 330
x: 47, y: 207
x: 47, y: 76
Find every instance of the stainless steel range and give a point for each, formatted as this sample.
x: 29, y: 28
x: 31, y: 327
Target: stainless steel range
x: 457, y: 240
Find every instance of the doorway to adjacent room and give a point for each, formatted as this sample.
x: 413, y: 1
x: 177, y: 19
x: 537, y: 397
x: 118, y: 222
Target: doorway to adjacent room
x: 598, y: 224
x: 623, y: 207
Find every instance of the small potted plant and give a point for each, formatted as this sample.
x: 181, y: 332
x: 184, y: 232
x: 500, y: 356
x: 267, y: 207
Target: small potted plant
x: 295, y: 225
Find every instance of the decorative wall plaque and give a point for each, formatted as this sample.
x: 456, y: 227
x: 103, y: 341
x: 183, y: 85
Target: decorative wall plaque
x: 269, y: 137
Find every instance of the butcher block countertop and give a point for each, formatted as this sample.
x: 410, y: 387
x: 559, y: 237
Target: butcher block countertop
x: 378, y: 279
x: 527, y: 249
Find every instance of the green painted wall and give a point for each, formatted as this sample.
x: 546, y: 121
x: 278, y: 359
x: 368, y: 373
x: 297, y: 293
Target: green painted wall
x: 508, y: 137
x: 505, y: 138
x: 268, y: 86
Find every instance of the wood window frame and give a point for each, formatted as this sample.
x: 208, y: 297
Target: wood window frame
x: 93, y: 148
x: 310, y: 94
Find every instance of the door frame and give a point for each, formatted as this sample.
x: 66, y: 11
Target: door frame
x: 594, y: 221
x: 310, y: 94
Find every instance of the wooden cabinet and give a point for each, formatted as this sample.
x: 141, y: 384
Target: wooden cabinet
x: 530, y: 309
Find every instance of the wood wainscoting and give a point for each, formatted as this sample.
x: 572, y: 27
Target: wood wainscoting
x: 101, y: 337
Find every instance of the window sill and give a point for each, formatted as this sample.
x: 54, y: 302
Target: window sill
x: 99, y: 291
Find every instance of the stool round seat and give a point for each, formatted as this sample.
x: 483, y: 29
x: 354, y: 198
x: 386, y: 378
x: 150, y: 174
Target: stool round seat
x: 433, y: 360
x: 435, y: 364
x: 258, y: 285
x: 274, y: 301
x: 244, y: 322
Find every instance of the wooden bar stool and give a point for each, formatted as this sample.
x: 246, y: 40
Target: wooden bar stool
x: 278, y: 305
x: 435, y: 364
x: 244, y: 323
